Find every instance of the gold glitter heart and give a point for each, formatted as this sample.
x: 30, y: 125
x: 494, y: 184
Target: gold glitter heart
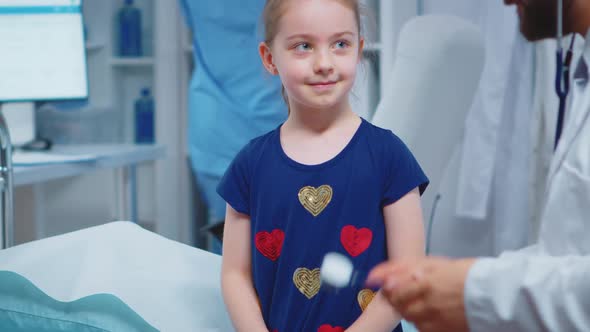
x: 307, y: 281
x: 365, y: 297
x: 315, y: 200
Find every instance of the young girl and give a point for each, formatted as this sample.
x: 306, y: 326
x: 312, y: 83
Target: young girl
x: 325, y: 180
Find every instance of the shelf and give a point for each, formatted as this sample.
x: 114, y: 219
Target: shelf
x: 132, y: 62
x: 372, y: 47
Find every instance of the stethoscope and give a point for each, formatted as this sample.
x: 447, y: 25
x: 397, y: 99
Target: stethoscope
x: 562, y: 84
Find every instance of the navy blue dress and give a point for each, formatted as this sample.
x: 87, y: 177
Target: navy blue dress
x: 300, y: 212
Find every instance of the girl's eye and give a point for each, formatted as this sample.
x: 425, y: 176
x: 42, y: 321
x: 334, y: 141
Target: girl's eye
x: 302, y: 47
x: 341, y: 44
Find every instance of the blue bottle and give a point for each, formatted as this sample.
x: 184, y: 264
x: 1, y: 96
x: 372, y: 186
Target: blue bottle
x: 129, y: 21
x: 144, y: 118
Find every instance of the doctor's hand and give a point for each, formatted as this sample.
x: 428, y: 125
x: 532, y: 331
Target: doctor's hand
x: 428, y: 292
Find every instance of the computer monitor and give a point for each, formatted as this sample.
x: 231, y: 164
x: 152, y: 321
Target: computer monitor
x: 42, y: 53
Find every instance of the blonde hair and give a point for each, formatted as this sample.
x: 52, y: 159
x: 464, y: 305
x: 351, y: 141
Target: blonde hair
x: 274, y: 10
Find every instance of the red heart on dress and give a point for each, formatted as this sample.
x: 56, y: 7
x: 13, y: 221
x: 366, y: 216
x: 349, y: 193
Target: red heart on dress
x: 354, y: 240
x: 270, y: 244
x: 329, y: 328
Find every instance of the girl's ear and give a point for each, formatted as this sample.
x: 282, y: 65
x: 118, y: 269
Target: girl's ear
x: 361, y: 47
x: 267, y: 59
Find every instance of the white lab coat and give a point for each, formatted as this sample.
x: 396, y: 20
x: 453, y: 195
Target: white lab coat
x: 544, y: 120
x: 506, y: 224
x: 489, y: 188
x: 533, y: 294
x: 498, y: 23
x: 508, y: 217
x: 529, y: 290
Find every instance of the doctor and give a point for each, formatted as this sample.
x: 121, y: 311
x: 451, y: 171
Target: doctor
x: 540, y: 288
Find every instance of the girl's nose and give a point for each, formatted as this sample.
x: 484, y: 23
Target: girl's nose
x: 323, y: 63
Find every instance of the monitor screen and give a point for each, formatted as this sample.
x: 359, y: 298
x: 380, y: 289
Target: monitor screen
x: 42, y: 54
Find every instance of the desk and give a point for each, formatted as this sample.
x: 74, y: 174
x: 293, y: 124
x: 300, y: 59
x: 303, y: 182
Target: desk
x: 126, y: 157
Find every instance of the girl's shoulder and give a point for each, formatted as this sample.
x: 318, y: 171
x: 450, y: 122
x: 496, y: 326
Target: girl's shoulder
x: 383, y: 138
x: 257, y: 146
x: 264, y: 140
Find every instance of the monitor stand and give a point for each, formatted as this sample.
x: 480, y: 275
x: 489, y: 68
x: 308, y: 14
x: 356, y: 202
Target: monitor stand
x: 6, y: 196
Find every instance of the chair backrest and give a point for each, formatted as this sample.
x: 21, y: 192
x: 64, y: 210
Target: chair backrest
x: 438, y: 64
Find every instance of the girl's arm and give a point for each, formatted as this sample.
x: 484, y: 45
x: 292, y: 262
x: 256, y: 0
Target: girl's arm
x: 405, y: 240
x: 236, y: 274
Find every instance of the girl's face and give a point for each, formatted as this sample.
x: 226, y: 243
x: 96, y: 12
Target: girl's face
x: 315, y: 51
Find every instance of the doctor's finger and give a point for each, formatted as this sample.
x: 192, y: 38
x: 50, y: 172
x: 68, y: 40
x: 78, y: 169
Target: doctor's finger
x: 385, y: 272
x: 428, y: 326
x: 388, y: 267
x: 416, y: 311
x: 410, y: 291
x: 378, y: 274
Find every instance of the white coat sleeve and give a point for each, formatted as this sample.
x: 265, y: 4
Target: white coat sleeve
x: 529, y: 293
